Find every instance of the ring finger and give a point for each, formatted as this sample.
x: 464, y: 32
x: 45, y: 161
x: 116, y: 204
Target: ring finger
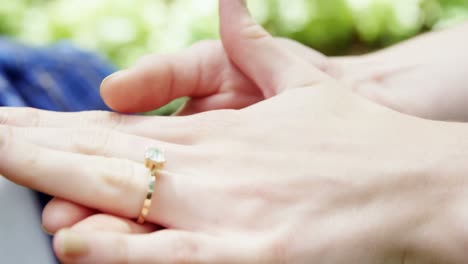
x: 112, y: 185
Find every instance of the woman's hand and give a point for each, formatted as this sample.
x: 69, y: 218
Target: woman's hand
x: 314, y: 174
x: 204, y: 72
x: 410, y: 77
x: 414, y: 77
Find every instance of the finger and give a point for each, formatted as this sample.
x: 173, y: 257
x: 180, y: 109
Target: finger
x: 272, y: 67
x: 59, y: 214
x: 170, y: 129
x: 92, y: 181
x: 227, y: 87
x: 96, y: 142
x: 234, y: 99
x: 156, y: 80
x: 165, y: 247
x: 110, y: 185
x: 110, y: 223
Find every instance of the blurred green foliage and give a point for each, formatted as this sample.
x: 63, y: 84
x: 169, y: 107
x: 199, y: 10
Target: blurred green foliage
x: 126, y: 29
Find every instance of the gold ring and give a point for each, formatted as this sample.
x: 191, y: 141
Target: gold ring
x: 154, y: 160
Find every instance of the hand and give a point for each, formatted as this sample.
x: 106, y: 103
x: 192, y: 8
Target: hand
x: 315, y: 174
x: 413, y: 77
x: 204, y: 72
x: 396, y: 77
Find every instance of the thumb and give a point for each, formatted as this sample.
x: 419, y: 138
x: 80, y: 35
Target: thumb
x: 272, y: 67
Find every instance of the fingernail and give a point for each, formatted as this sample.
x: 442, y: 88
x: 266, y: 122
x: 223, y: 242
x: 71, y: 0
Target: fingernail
x: 72, y: 244
x: 113, y: 75
x: 46, y: 231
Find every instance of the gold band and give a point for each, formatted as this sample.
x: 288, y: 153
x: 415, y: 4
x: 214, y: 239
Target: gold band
x: 148, y: 200
x: 154, y: 160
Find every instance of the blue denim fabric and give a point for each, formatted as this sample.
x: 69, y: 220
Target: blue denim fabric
x: 58, y: 77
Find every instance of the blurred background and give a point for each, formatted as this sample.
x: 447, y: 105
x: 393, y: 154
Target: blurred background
x: 123, y: 30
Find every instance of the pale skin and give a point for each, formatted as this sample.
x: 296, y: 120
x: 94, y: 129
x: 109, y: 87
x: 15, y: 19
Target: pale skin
x: 314, y: 174
x: 424, y: 77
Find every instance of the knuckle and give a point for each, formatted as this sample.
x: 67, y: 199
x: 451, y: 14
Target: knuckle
x: 121, y: 176
x: 3, y: 117
x: 185, y: 249
x: 34, y: 116
x: 90, y: 141
x: 262, y: 191
x: 214, y: 122
x: 21, y: 116
x: 253, y: 30
x: 32, y: 157
x: 31, y: 160
x: 99, y: 119
x: 115, y: 120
